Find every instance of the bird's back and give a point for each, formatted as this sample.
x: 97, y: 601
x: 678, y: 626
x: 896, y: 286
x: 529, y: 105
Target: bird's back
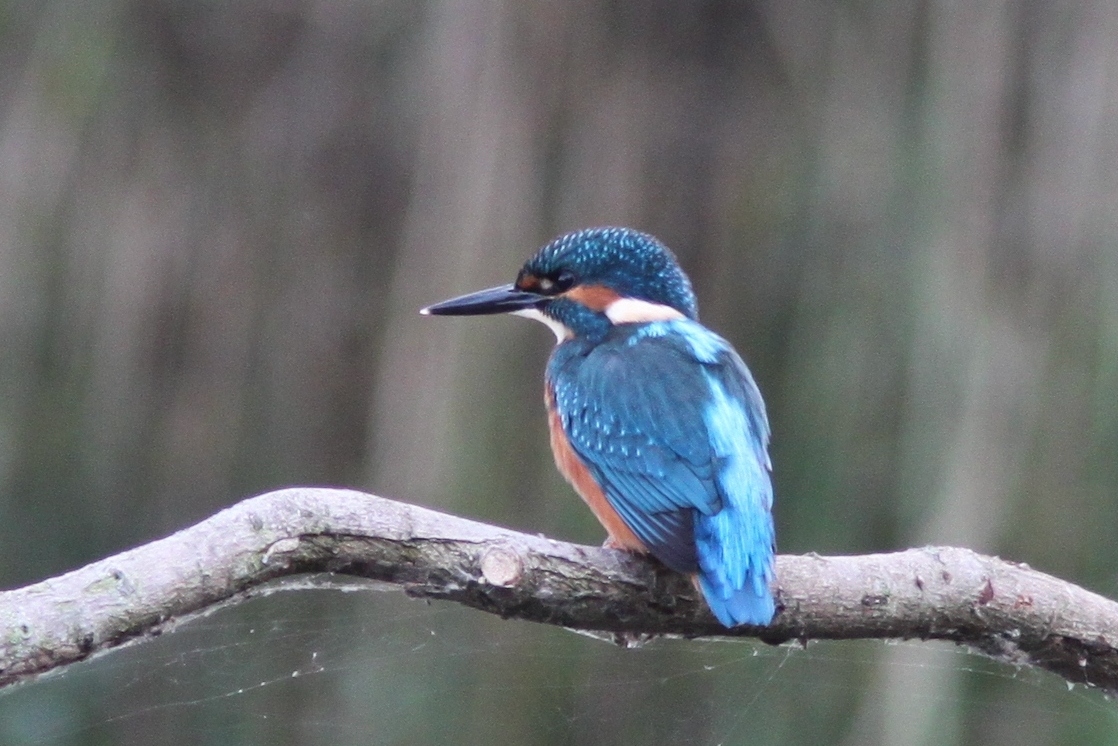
x: 667, y: 420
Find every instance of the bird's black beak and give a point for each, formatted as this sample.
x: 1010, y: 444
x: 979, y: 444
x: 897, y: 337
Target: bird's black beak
x: 503, y: 299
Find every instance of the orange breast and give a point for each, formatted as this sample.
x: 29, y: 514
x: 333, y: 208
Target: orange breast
x: 574, y: 471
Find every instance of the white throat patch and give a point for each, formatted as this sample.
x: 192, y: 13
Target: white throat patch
x: 634, y: 311
x: 562, y: 332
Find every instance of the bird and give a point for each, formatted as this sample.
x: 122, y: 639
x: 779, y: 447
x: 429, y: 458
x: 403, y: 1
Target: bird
x: 654, y: 419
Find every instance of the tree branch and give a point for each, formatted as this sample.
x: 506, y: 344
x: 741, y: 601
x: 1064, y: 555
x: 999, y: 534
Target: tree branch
x: 1005, y: 610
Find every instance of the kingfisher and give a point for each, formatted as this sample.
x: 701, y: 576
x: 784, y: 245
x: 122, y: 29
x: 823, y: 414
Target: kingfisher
x: 655, y: 420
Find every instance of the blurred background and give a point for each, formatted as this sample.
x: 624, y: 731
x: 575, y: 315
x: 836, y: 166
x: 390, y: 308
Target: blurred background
x: 218, y: 222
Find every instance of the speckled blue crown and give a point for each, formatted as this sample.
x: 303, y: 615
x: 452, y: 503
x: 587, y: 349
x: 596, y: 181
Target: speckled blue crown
x: 634, y: 264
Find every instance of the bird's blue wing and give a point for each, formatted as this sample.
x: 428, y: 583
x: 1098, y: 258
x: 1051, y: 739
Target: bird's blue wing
x: 670, y: 423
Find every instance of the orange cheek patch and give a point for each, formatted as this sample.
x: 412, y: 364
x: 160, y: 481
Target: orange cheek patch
x: 595, y: 297
x: 527, y: 282
x: 574, y: 471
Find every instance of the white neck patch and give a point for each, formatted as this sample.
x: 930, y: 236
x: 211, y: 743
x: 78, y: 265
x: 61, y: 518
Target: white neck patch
x: 562, y: 331
x: 634, y: 311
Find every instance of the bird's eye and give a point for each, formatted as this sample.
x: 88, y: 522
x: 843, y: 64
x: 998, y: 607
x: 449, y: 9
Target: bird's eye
x: 564, y: 281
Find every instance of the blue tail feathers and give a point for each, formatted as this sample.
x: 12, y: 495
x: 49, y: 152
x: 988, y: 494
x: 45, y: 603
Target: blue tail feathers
x: 748, y: 605
x: 736, y: 566
x: 735, y: 544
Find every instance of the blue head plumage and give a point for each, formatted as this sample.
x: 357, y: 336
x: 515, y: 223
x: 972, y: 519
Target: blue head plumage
x: 633, y: 264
